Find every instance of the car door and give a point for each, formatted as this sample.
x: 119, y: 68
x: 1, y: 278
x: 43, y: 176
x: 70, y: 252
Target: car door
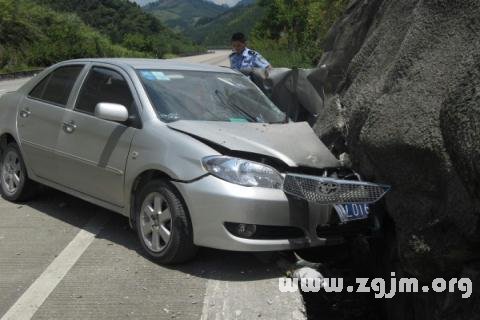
x: 94, y: 151
x: 39, y: 119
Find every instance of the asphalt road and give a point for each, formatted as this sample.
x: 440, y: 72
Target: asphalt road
x: 11, y: 85
x: 218, y: 57
x: 63, y: 258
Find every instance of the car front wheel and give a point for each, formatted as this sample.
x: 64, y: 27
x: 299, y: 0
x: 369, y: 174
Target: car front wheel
x: 163, y: 224
x: 15, y: 185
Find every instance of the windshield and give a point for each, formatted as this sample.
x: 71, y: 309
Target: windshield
x: 207, y: 96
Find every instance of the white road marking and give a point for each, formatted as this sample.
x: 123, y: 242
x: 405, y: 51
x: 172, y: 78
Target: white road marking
x: 227, y: 300
x: 211, y: 287
x: 38, y: 292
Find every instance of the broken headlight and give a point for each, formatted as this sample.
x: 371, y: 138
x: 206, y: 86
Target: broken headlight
x: 243, y: 172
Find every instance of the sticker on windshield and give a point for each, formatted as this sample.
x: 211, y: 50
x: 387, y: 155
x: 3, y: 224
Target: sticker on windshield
x: 160, y: 76
x: 148, y: 75
x: 154, y: 75
x: 238, y: 120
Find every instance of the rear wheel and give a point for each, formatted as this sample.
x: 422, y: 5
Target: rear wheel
x: 14, y: 182
x: 163, y: 224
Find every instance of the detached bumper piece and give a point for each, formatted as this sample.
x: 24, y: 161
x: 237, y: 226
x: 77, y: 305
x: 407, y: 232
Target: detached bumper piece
x: 329, y: 191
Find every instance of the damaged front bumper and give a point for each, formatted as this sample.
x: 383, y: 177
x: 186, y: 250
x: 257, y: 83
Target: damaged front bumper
x: 276, y: 219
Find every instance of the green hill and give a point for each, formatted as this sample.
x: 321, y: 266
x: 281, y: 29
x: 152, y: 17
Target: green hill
x: 34, y: 36
x: 126, y: 24
x: 217, y: 31
x: 142, y: 3
x: 183, y: 14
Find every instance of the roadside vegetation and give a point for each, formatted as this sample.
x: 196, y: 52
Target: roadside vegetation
x: 128, y: 25
x: 218, y: 31
x: 291, y: 32
x: 288, y: 33
x: 37, y: 33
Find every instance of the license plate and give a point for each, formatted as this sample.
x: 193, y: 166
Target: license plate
x: 350, y: 212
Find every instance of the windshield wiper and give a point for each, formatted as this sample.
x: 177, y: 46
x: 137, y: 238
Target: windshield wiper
x: 233, y: 106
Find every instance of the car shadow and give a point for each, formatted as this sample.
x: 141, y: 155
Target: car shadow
x: 221, y: 265
x: 208, y: 264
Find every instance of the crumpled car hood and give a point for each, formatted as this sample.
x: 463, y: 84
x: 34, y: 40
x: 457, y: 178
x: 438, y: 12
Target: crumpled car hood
x: 293, y: 143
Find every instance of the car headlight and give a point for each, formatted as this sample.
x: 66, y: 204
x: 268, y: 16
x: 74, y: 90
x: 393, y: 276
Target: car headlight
x: 243, y: 172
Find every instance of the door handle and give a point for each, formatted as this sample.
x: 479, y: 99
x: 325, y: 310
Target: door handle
x: 25, y: 113
x: 69, y: 127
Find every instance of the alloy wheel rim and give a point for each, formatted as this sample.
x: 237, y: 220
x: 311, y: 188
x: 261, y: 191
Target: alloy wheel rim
x: 11, y: 173
x: 156, y: 222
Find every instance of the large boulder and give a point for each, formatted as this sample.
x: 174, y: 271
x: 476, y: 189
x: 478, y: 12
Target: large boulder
x: 403, y: 99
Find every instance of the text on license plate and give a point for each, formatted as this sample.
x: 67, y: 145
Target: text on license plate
x: 350, y: 212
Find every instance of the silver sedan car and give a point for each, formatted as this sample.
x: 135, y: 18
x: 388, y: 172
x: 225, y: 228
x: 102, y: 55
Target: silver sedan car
x: 193, y: 155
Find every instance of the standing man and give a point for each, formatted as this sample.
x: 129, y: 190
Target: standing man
x: 244, y: 59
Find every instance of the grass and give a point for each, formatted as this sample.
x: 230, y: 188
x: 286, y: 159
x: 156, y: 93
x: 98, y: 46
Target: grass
x: 279, y: 58
x: 19, y: 69
x: 280, y: 55
x: 169, y: 56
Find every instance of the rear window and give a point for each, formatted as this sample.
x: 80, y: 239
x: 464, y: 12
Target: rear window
x: 57, y: 86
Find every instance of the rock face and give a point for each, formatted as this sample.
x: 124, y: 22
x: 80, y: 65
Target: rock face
x: 403, y: 99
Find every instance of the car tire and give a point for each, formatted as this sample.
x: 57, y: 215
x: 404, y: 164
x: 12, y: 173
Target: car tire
x: 15, y: 185
x: 163, y: 224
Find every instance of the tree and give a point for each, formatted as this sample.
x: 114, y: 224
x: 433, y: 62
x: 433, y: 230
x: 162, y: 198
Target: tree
x: 296, y: 28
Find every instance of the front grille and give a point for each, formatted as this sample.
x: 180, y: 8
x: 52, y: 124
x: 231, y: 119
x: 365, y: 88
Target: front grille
x: 333, y: 191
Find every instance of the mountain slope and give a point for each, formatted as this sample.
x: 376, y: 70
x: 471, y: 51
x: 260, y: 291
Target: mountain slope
x: 126, y: 24
x: 32, y: 35
x: 217, y: 31
x: 142, y: 3
x: 229, y: 3
x: 245, y: 2
x: 182, y: 14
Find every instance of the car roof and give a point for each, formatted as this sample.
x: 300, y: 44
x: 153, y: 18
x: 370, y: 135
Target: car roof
x: 156, y: 64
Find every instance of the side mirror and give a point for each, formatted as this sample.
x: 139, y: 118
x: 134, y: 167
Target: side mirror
x: 111, y: 112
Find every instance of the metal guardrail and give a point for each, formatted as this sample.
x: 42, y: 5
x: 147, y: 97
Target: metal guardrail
x: 219, y: 48
x: 19, y: 74
x: 30, y: 73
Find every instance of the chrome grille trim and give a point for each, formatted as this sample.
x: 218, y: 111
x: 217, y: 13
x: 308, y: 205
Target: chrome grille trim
x: 332, y: 191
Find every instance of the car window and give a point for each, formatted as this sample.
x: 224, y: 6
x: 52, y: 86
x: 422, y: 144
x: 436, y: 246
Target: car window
x: 104, y: 85
x: 56, y: 87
